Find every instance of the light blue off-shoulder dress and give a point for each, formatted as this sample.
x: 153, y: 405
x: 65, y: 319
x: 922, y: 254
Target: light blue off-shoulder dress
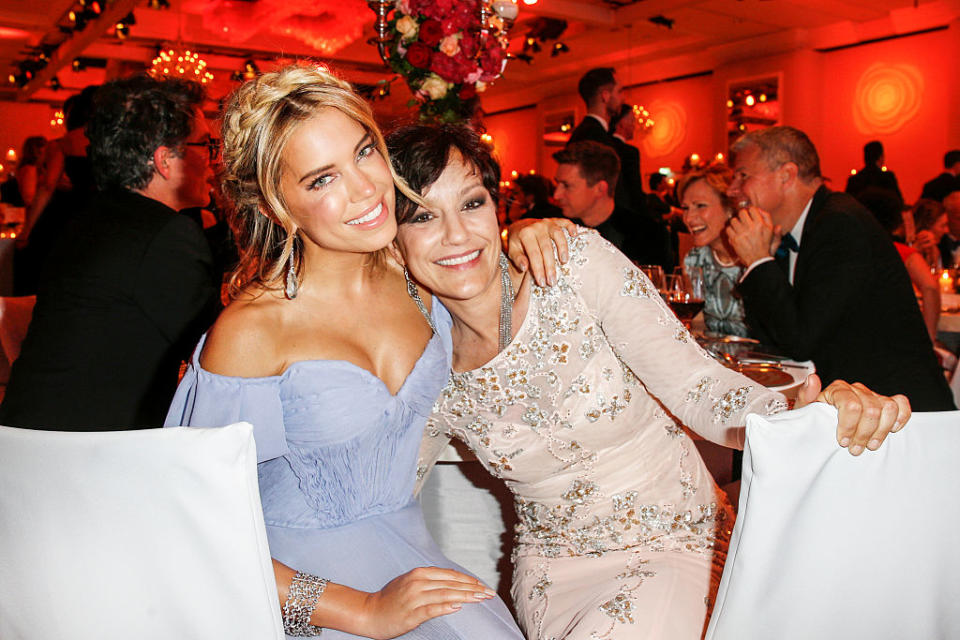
x: 337, y: 454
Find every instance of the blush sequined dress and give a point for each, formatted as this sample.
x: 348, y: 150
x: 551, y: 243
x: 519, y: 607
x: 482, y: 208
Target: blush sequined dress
x: 622, y: 529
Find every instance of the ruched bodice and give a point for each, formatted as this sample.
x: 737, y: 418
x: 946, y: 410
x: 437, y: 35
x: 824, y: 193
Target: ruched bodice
x: 330, y: 436
x: 336, y: 453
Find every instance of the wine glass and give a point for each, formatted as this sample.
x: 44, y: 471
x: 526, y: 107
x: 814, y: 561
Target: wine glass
x: 655, y: 273
x: 685, y: 293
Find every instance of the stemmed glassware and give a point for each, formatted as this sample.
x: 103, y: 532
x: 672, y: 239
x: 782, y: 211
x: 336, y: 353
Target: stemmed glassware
x: 684, y: 292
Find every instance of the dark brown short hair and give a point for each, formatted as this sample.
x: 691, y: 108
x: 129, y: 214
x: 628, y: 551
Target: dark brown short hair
x: 596, y: 162
x: 594, y: 81
x: 420, y: 153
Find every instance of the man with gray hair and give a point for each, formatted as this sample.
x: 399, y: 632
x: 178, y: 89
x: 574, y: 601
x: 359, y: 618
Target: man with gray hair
x: 823, y: 281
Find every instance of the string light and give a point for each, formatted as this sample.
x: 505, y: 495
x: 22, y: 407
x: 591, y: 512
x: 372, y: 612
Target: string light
x: 180, y: 63
x: 750, y: 101
x: 57, y: 119
x: 486, y: 137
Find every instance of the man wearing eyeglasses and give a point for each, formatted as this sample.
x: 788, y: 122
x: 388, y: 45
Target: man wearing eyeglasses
x: 129, y: 289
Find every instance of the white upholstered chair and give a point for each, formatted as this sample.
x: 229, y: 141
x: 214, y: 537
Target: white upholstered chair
x: 133, y: 534
x: 831, y: 546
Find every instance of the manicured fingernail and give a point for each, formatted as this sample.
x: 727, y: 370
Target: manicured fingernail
x: 896, y: 426
x: 844, y: 441
x: 856, y: 449
x: 550, y: 280
x: 455, y: 605
x: 482, y: 596
x: 873, y: 445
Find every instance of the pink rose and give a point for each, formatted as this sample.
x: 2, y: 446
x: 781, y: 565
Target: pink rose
x: 450, y: 45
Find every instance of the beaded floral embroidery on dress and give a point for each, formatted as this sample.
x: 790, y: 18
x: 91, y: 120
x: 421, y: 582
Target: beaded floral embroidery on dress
x: 579, y: 415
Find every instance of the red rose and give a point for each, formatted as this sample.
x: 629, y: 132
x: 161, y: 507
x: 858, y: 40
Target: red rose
x: 431, y: 33
x: 468, y: 91
x: 446, y: 67
x: 449, y: 27
x: 492, y: 61
x: 462, y: 16
x: 418, y: 54
x: 437, y: 9
x: 468, y: 44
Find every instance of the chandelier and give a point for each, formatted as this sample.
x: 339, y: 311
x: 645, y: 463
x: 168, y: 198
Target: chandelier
x: 179, y: 62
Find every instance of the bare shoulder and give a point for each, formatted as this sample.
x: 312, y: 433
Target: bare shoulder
x: 243, y: 342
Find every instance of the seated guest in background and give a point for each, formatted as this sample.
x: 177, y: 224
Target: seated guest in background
x: 888, y: 210
x: 873, y: 173
x: 930, y: 225
x: 587, y: 175
x: 948, y: 181
x: 835, y: 291
x: 950, y: 241
x: 535, y: 193
x: 129, y: 292
x: 706, y: 212
x: 622, y: 128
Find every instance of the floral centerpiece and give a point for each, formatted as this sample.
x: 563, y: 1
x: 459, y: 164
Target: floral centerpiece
x: 445, y: 57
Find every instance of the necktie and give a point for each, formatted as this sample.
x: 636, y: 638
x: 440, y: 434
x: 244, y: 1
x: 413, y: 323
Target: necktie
x: 782, y: 254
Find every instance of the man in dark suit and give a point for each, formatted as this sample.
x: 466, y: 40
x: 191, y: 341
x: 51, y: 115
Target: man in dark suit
x: 835, y: 291
x: 603, y: 97
x: 587, y: 174
x: 130, y: 288
x: 622, y: 128
x: 948, y: 181
x: 874, y: 173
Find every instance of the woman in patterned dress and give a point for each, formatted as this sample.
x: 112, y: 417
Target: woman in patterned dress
x: 569, y: 394
x: 706, y: 211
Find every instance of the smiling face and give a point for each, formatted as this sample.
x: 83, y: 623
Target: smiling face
x: 703, y: 213
x: 337, y: 187
x: 453, y: 247
x: 755, y: 183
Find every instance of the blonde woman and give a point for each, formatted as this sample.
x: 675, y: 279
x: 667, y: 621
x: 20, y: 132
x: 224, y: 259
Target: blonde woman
x: 324, y: 352
x: 706, y: 212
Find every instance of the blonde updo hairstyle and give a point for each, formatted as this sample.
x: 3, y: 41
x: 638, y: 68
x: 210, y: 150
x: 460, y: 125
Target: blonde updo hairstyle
x: 258, y: 121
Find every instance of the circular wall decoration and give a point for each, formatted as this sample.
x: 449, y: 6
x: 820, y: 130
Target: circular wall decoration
x: 887, y: 97
x: 669, y: 130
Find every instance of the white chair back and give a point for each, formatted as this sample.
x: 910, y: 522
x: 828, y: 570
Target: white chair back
x: 135, y: 534
x: 831, y: 546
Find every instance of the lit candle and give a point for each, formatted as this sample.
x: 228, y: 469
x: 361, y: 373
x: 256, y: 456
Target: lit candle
x: 946, y: 282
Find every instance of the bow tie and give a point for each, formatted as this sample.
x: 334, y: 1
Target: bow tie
x: 787, y: 244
